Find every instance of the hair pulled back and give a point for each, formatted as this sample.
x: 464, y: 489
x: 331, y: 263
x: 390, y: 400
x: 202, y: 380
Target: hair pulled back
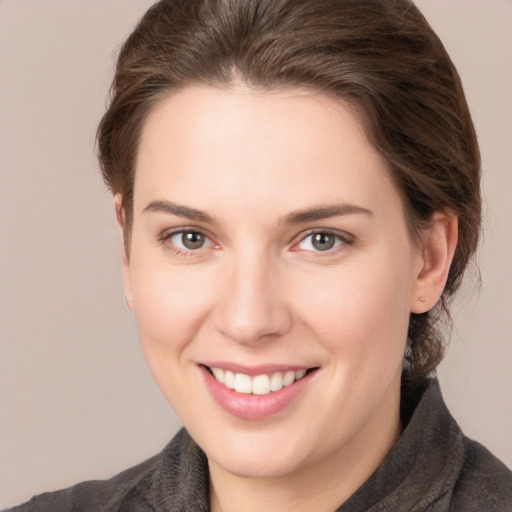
x: 380, y: 55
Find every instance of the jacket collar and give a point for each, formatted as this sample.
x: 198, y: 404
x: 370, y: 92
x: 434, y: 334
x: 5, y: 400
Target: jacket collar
x: 419, y: 472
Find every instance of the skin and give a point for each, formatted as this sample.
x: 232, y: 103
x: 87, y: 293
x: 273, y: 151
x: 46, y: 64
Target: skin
x: 258, y: 291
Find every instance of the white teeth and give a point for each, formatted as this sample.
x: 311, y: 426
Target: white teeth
x: 243, y: 383
x: 276, y: 382
x: 288, y: 378
x: 219, y: 374
x: 259, y: 385
x: 229, y: 379
x: 300, y: 374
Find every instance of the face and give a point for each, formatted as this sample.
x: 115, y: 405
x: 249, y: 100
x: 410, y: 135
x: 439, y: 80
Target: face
x: 270, y: 254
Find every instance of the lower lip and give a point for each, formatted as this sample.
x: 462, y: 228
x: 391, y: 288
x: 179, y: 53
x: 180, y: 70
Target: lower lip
x: 254, y: 407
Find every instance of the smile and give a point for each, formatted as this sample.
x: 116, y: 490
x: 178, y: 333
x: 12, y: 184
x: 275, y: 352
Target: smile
x: 258, y: 385
x: 256, y: 393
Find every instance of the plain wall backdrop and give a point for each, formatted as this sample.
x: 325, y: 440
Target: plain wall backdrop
x: 77, y: 401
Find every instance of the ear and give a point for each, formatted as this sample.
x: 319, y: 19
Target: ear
x: 437, y: 248
x: 120, y: 217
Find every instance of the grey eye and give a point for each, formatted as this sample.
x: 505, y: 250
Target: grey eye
x: 320, y: 242
x: 323, y: 241
x: 189, y: 240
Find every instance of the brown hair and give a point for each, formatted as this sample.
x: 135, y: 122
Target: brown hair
x: 381, y: 55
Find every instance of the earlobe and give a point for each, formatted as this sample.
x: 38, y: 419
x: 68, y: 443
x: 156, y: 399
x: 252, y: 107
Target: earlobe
x: 120, y: 217
x: 437, y: 249
x: 127, y: 281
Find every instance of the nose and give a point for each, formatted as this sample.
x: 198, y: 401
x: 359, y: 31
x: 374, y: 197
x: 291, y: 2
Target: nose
x: 252, y: 306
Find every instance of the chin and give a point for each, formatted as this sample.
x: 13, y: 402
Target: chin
x: 261, y: 467
x: 259, y: 456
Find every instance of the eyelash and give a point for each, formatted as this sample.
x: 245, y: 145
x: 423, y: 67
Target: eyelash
x: 165, y: 239
x: 342, y: 239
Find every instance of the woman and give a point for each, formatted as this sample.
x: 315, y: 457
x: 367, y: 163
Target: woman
x: 298, y: 188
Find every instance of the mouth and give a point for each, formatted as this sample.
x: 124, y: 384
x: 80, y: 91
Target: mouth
x: 262, y: 384
x: 258, y: 392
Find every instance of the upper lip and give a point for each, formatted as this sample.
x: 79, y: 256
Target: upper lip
x: 255, y: 370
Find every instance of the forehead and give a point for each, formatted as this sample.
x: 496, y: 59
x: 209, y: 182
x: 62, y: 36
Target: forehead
x: 205, y: 145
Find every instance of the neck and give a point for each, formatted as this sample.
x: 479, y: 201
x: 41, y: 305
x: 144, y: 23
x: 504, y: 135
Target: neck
x: 321, y: 486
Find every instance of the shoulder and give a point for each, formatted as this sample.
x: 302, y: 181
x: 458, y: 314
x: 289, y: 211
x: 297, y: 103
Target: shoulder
x: 446, y: 471
x: 105, y: 495
x: 484, y: 482
x: 172, y: 479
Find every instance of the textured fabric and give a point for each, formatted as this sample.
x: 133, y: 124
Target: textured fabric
x: 433, y: 468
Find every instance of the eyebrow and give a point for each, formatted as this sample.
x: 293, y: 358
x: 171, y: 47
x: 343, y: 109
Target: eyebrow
x: 324, y: 212
x: 295, y: 217
x: 179, y: 210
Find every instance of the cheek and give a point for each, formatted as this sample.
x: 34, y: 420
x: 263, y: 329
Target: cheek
x: 360, y: 311
x: 170, y: 304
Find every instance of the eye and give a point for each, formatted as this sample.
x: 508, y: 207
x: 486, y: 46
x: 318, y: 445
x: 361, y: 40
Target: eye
x: 189, y: 240
x: 321, y: 241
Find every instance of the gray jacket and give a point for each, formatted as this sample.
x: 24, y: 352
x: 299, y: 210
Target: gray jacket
x: 433, y: 467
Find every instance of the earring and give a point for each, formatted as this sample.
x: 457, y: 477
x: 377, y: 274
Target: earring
x: 422, y: 299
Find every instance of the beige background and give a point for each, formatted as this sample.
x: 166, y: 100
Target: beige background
x: 77, y: 401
